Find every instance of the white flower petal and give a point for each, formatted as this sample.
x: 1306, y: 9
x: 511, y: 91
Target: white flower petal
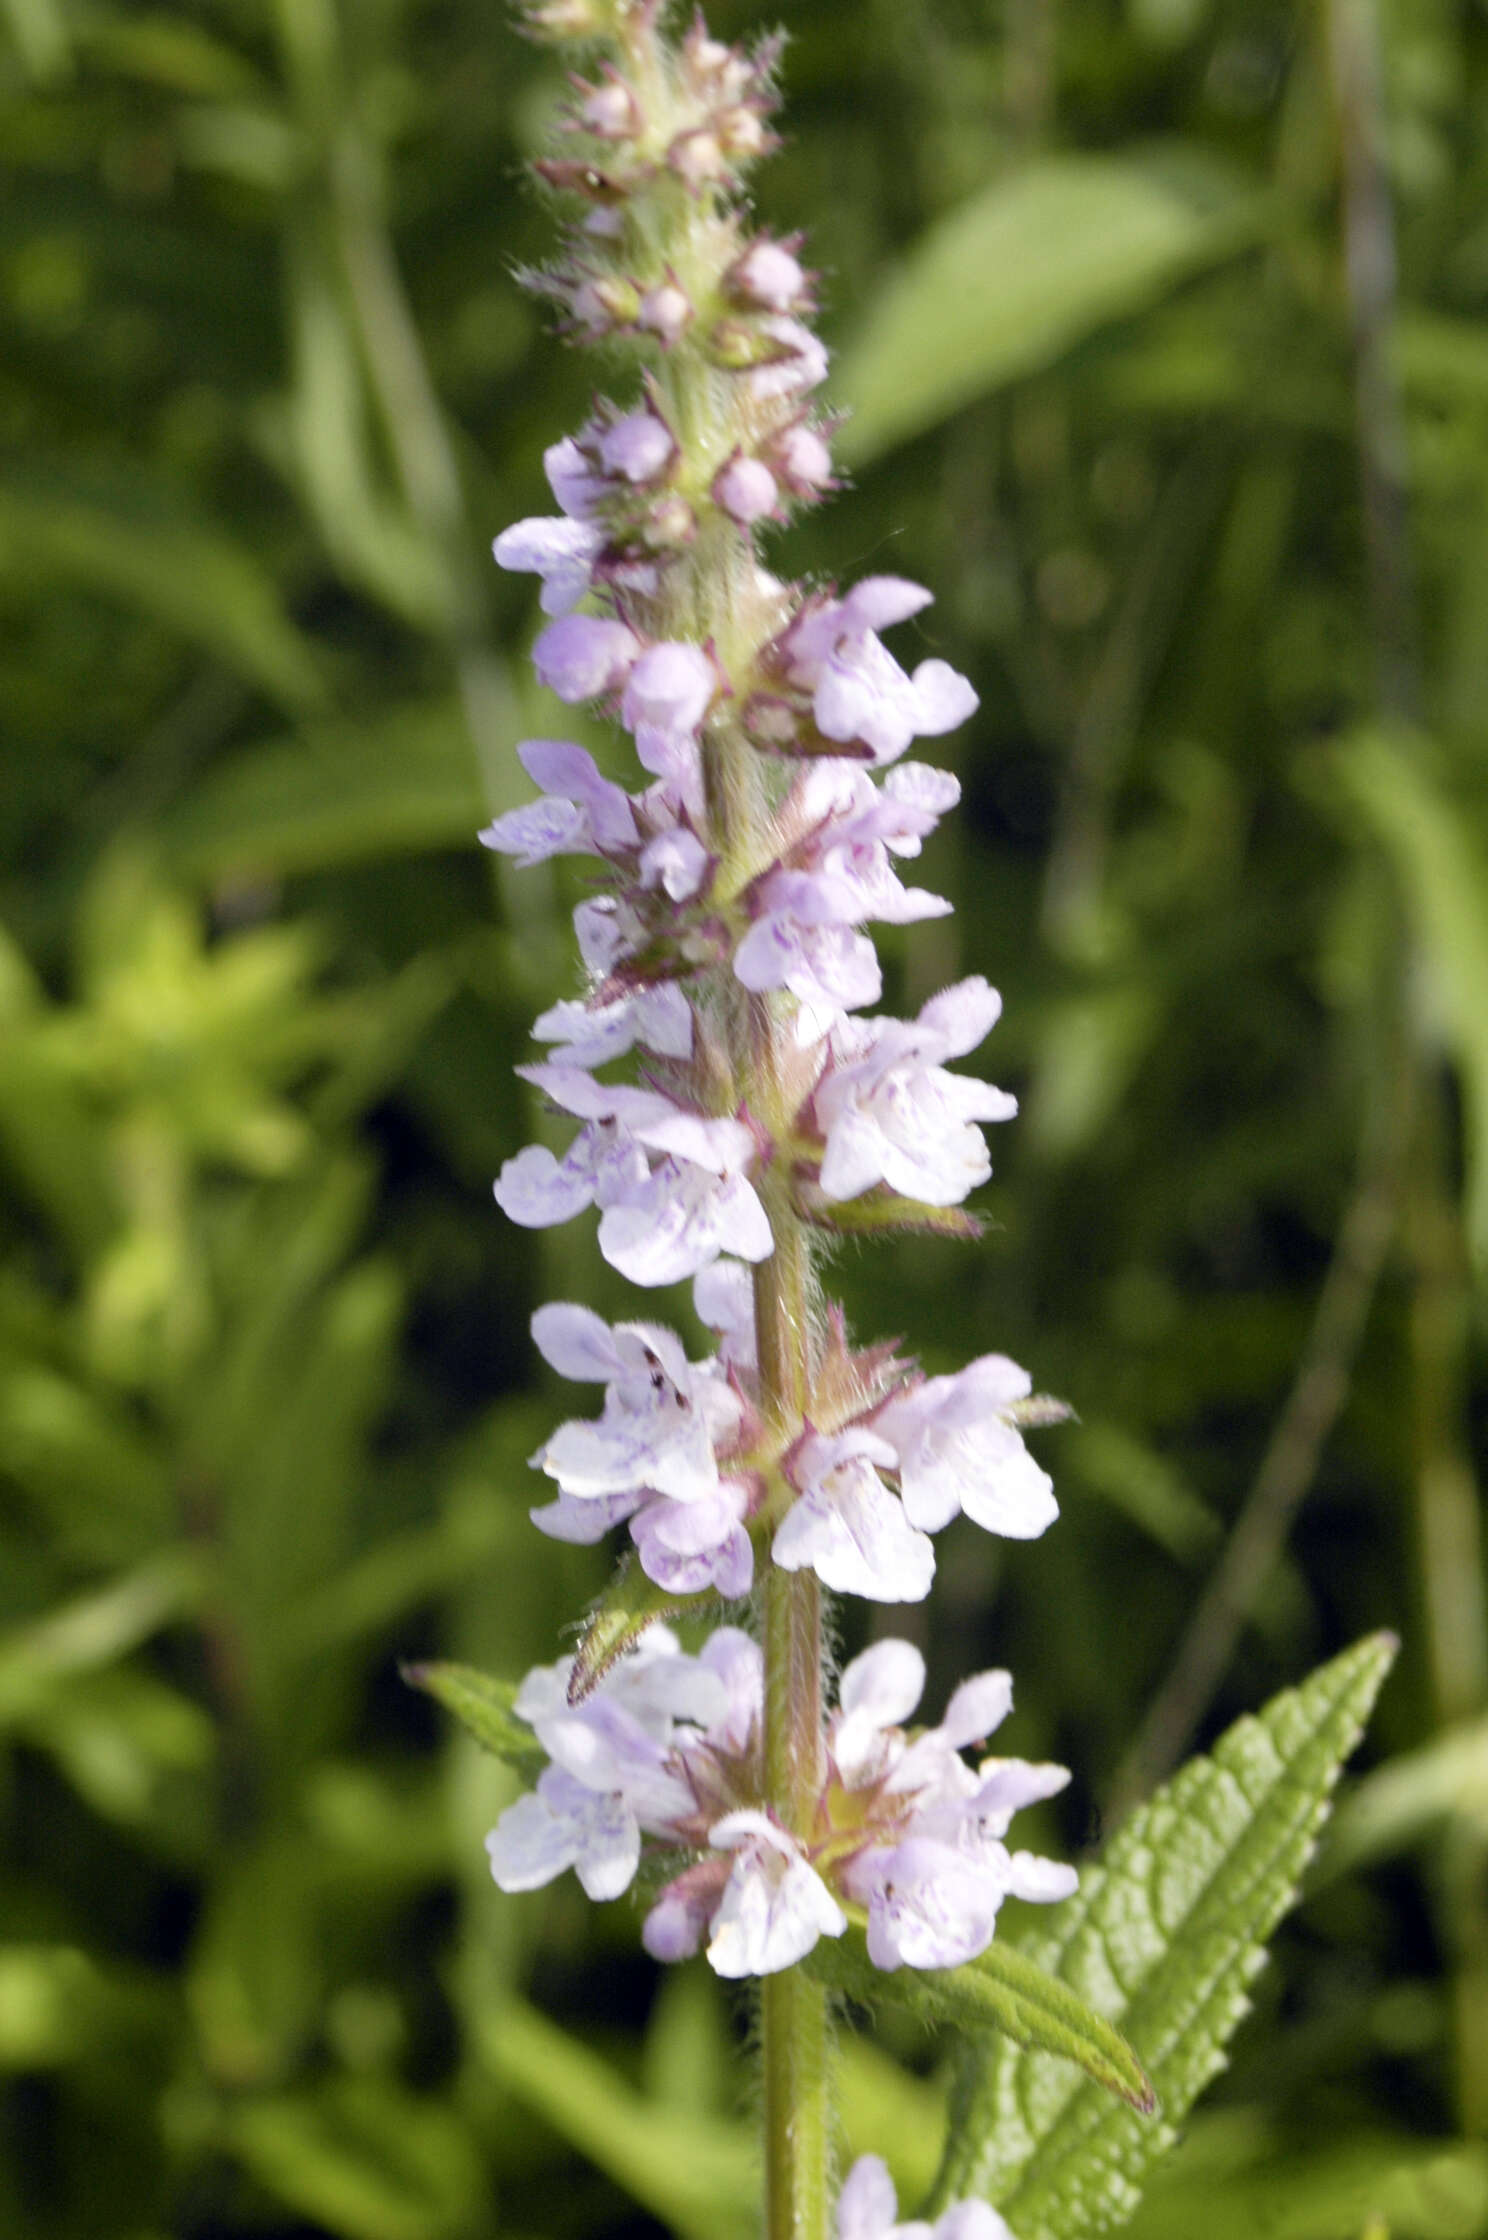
x: 867, y: 2204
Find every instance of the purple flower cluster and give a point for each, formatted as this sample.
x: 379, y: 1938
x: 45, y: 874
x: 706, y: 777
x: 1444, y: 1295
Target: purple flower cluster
x: 907, y: 1837
x: 681, y: 1451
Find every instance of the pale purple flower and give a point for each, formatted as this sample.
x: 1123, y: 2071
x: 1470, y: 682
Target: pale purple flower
x: 658, y: 1123
x: 889, y: 1111
x: 669, y: 1746
x: 959, y: 1450
x: 591, y: 1034
x: 686, y: 1547
x: 663, y: 1416
x: 612, y: 1773
x: 677, y: 1925
x: 846, y: 1525
x: 692, y: 1545
x: 774, y: 1905
x: 799, y: 456
x: 582, y: 813
x: 667, y: 694
x: 876, y: 1694
x: 857, y: 689
x: 572, y: 478
x: 746, y: 490
x: 665, y: 311
x: 638, y: 447
x: 562, y: 1824
x: 675, y: 861
x: 868, y: 2209
x: 657, y: 1224
x: 836, y: 876
x: 768, y: 275
x: 602, y: 1166
x: 796, y: 944
x: 934, y: 1869
x: 723, y: 1299
x: 584, y: 656
x: 561, y: 551
x: 801, y: 364
x: 678, y: 1220
x: 584, y: 1523
x: 620, y: 1759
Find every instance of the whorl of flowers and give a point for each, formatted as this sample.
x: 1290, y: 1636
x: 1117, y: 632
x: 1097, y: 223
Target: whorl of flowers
x: 759, y: 1101
x: 669, y: 1748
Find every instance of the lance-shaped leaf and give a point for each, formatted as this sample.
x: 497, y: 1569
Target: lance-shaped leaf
x: 483, y: 1706
x: 879, y: 1213
x: 1002, y: 1990
x: 629, y: 1604
x: 1030, y: 266
x: 1162, y: 1938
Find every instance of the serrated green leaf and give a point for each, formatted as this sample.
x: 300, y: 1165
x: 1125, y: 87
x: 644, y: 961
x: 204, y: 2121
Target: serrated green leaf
x: 1001, y: 1991
x: 1019, y: 274
x: 630, y: 1603
x: 1162, y: 1938
x: 483, y: 1706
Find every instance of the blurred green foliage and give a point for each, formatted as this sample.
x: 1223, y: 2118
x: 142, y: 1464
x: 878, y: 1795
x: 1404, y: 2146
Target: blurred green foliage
x: 1200, y: 474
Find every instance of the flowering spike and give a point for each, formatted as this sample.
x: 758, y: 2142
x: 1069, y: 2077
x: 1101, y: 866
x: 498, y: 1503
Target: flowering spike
x: 731, y: 1093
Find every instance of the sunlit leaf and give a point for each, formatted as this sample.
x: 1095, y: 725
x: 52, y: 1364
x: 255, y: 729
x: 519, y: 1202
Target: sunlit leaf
x: 178, y: 569
x: 483, y: 1707
x: 1015, y: 277
x: 1163, y: 1938
x: 364, y: 2158
x: 630, y: 1603
x: 1002, y: 1991
x: 392, y: 785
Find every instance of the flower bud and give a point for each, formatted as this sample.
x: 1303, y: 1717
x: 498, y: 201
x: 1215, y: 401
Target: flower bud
x: 717, y: 72
x: 665, y: 311
x: 610, y: 111
x: 571, y: 477
x: 639, y: 447
x: 670, y: 526
x: 799, y: 456
x: 697, y: 157
x: 745, y: 489
x: 601, y: 304
x: 582, y: 656
x: 743, y: 133
x: 767, y: 276
x: 670, y: 689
